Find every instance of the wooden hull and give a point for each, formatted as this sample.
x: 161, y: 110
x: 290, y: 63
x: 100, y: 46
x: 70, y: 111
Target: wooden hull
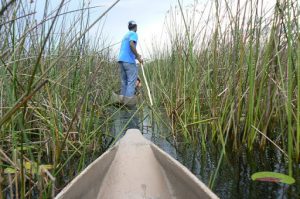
x: 118, y: 99
x: 135, y: 168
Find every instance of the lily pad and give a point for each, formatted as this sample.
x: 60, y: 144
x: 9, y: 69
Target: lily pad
x: 267, y: 176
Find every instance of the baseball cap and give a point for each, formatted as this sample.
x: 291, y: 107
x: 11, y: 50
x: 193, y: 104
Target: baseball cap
x: 131, y: 24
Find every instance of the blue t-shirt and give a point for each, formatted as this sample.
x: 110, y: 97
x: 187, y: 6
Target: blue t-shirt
x: 126, y: 54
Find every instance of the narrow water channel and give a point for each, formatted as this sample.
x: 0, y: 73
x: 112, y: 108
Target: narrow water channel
x: 234, y: 174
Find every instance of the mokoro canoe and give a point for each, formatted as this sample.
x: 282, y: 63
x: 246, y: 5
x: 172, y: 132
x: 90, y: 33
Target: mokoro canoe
x: 119, y: 99
x: 135, y: 168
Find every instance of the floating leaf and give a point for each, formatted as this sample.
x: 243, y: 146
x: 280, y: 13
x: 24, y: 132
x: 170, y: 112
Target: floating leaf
x: 10, y: 170
x: 267, y: 176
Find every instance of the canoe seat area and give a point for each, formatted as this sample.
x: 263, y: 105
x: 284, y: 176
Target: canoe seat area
x: 136, y: 169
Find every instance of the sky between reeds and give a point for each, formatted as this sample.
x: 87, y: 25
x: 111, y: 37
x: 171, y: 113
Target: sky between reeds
x: 151, y: 17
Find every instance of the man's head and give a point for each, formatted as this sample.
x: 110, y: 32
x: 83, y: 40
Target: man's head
x: 132, y: 26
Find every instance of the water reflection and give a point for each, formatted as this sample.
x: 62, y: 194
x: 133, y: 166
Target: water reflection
x: 126, y: 118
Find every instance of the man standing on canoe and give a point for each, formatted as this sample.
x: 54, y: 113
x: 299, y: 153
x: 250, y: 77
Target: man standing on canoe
x: 128, y: 55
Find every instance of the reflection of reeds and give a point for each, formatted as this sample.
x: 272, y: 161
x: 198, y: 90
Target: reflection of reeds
x: 53, y: 82
x: 234, y: 71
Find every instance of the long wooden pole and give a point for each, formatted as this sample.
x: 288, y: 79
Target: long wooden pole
x: 146, y: 82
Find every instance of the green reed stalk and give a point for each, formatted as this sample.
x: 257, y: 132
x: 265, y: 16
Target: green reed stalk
x: 87, y: 139
x: 298, y: 99
x: 290, y: 75
x: 28, y: 48
x: 251, y: 80
x: 239, y: 65
x: 5, y: 6
x: 223, y: 152
x: 37, y: 64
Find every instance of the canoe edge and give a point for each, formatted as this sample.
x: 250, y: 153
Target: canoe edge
x: 83, y: 172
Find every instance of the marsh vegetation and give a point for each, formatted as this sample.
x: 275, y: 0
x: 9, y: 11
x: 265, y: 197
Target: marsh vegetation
x: 228, y: 73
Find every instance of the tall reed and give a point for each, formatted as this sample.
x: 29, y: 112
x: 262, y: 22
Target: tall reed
x: 231, y: 72
x: 53, y: 89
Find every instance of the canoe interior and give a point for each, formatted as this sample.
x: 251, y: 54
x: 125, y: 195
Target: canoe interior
x: 183, y: 184
x: 88, y: 182
x: 134, y: 169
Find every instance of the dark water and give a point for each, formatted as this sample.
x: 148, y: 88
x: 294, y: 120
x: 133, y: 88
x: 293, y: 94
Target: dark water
x: 234, y: 175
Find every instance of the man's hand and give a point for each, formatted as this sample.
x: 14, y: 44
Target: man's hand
x: 139, y: 58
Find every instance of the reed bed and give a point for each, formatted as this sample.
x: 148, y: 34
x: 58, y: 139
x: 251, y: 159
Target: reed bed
x: 230, y: 72
x: 53, y: 90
